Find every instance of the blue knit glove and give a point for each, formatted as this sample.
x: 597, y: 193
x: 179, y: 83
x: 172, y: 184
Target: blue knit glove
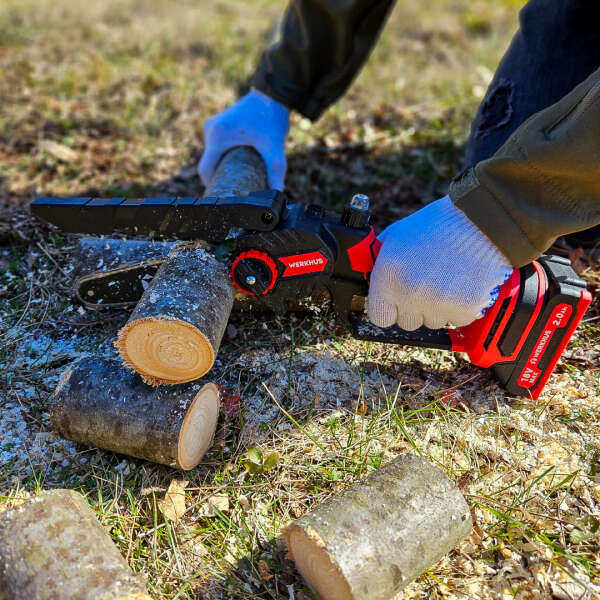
x: 255, y: 120
x: 435, y: 268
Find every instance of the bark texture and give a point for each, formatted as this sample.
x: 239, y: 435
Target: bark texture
x: 52, y: 547
x: 376, y: 537
x: 99, y: 402
x: 241, y: 171
x: 175, y: 331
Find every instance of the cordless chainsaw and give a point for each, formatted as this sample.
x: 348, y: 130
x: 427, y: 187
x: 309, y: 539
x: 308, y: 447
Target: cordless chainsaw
x: 280, y: 253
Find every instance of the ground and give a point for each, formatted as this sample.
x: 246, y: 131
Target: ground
x: 109, y: 97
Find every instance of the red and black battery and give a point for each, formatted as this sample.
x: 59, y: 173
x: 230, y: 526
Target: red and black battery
x: 526, y: 331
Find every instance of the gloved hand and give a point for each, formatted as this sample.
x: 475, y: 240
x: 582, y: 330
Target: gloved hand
x: 434, y: 268
x: 255, y: 120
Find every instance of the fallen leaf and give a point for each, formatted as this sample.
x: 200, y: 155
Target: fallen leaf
x: 230, y: 403
x: 252, y: 467
x: 254, y: 455
x: 451, y: 398
x: 569, y: 590
x: 271, y: 461
x: 218, y: 502
x: 59, y: 151
x: 173, y: 505
x: 264, y: 571
x: 575, y: 257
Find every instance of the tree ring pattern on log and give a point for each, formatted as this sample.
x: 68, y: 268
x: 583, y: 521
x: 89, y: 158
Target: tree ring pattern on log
x: 204, y: 409
x: 317, y: 567
x: 165, y: 350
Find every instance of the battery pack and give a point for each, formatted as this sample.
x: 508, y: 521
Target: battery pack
x: 565, y: 301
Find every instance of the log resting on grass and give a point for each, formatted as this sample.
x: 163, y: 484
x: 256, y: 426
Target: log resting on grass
x: 175, y: 331
x: 99, y: 402
x: 374, y: 538
x: 52, y: 546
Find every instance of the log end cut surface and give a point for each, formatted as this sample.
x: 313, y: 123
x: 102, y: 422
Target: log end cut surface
x: 165, y: 350
x: 198, y: 427
x: 315, y: 565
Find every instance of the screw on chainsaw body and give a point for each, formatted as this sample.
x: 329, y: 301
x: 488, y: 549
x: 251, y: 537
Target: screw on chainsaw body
x: 360, y: 202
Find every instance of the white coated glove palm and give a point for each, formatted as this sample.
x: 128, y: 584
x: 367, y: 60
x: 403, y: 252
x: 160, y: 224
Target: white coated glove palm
x: 255, y: 120
x: 435, y: 268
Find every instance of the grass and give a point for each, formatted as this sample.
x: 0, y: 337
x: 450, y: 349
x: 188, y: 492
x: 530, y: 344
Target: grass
x: 126, y: 87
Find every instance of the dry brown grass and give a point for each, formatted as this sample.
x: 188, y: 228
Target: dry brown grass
x: 125, y: 86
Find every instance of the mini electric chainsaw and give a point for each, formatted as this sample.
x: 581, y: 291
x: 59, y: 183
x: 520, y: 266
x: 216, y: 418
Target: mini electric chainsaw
x: 280, y: 253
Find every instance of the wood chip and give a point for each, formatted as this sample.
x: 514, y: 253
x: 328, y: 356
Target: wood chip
x: 218, y: 502
x: 173, y: 506
x: 59, y: 151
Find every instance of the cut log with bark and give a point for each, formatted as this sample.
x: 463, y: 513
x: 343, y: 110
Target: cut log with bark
x: 99, y: 402
x: 98, y: 258
x: 374, y: 538
x: 175, y: 331
x: 52, y: 547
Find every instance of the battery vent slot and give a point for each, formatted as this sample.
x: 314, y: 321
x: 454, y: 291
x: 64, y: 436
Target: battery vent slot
x: 496, y: 323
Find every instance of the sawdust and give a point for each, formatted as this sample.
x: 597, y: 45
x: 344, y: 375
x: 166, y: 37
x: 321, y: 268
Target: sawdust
x: 28, y: 446
x: 307, y: 383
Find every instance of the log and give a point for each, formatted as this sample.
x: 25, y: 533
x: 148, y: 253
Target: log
x: 175, y: 331
x: 99, y: 402
x: 374, y: 538
x: 111, y: 259
x: 52, y: 546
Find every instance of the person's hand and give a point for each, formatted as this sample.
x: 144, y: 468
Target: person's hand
x: 255, y: 120
x: 434, y: 268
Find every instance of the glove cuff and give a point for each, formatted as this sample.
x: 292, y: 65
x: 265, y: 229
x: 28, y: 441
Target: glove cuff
x: 478, y: 244
x: 279, y: 113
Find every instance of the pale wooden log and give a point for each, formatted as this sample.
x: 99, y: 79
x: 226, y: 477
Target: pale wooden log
x: 175, y: 330
x: 376, y: 537
x: 95, y: 258
x: 174, y: 333
x: 52, y: 547
x: 241, y: 171
x: 99, y: 402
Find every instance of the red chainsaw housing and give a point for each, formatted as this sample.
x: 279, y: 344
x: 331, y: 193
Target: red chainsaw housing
x: 480, y: 339
x: 525, y: 333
